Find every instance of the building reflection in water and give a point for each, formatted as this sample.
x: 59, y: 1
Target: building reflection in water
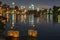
x: 31, y: 19
x: 22, y: 16
x: 26, y: 16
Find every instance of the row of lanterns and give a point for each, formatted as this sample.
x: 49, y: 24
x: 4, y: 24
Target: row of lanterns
x: 13, y: 33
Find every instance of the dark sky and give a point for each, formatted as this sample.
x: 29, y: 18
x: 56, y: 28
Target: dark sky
x: 38, y: 3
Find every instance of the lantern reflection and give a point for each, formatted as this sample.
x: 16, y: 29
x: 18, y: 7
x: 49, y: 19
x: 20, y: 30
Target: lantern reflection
x: 32, y: 39
x: 15, y: 38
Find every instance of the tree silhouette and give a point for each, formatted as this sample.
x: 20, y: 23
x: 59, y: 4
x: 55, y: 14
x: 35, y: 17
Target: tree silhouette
x: 0, y: 2
x: 2, y: 29
x: 16, y: 7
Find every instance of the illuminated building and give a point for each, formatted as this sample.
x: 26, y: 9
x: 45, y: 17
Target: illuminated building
x: 38, y: 9
x: 22, y: 7
x: 32, y: 7
x: 12, y: 5
x: 13, y: 14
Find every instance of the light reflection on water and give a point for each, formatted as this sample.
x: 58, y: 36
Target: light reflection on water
x: 15, y: 38
x: 34, y: 21
x: 28, y: 38
x: 42, y: 18
x: 22, y: 38
x: 30, y: 19
x: 32, y: 39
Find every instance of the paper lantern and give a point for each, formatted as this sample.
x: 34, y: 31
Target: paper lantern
x: 16, y: 34
x: 32, y: 33
x: 13, y: 33
x: 10, y: 33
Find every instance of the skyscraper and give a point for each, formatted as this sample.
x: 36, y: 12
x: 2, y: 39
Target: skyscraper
x: 31, y: 7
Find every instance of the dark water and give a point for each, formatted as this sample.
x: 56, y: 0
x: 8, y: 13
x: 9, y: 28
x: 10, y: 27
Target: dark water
x: 45, y: 30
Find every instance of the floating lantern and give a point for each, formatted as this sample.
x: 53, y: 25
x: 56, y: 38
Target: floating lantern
x: 16, y: 34
x: 13, y: 33
x: 32, y: 33
x: 10, y: 33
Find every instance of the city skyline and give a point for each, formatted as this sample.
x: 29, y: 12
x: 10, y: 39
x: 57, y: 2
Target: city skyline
x: 37, y: 3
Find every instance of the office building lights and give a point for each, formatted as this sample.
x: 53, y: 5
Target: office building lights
x: 32, y: 6
x: 12, y: 5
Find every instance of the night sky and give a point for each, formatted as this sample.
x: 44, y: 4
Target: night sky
x: 37, y: 3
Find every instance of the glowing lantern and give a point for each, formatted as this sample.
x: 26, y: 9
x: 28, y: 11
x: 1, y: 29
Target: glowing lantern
x: 32, y: 33
x: 16, y: 34
x: 10, y: 33
x: 13, y: 33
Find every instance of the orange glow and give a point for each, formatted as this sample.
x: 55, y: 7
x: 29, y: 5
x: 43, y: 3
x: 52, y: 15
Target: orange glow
x: 24, y: 12
x: 38, y: 9
x: 0, y: 8
x: 25, y: 17
x: 32, y: 33
x: 4, y: 21
x: 10, y: 33
x: 16, y: 34
x: 14, y: 18
x: 7, y: 17
x: 7, y: 8
x: 13, y: 33
x: 0, y: 14
x: 14, y: 10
